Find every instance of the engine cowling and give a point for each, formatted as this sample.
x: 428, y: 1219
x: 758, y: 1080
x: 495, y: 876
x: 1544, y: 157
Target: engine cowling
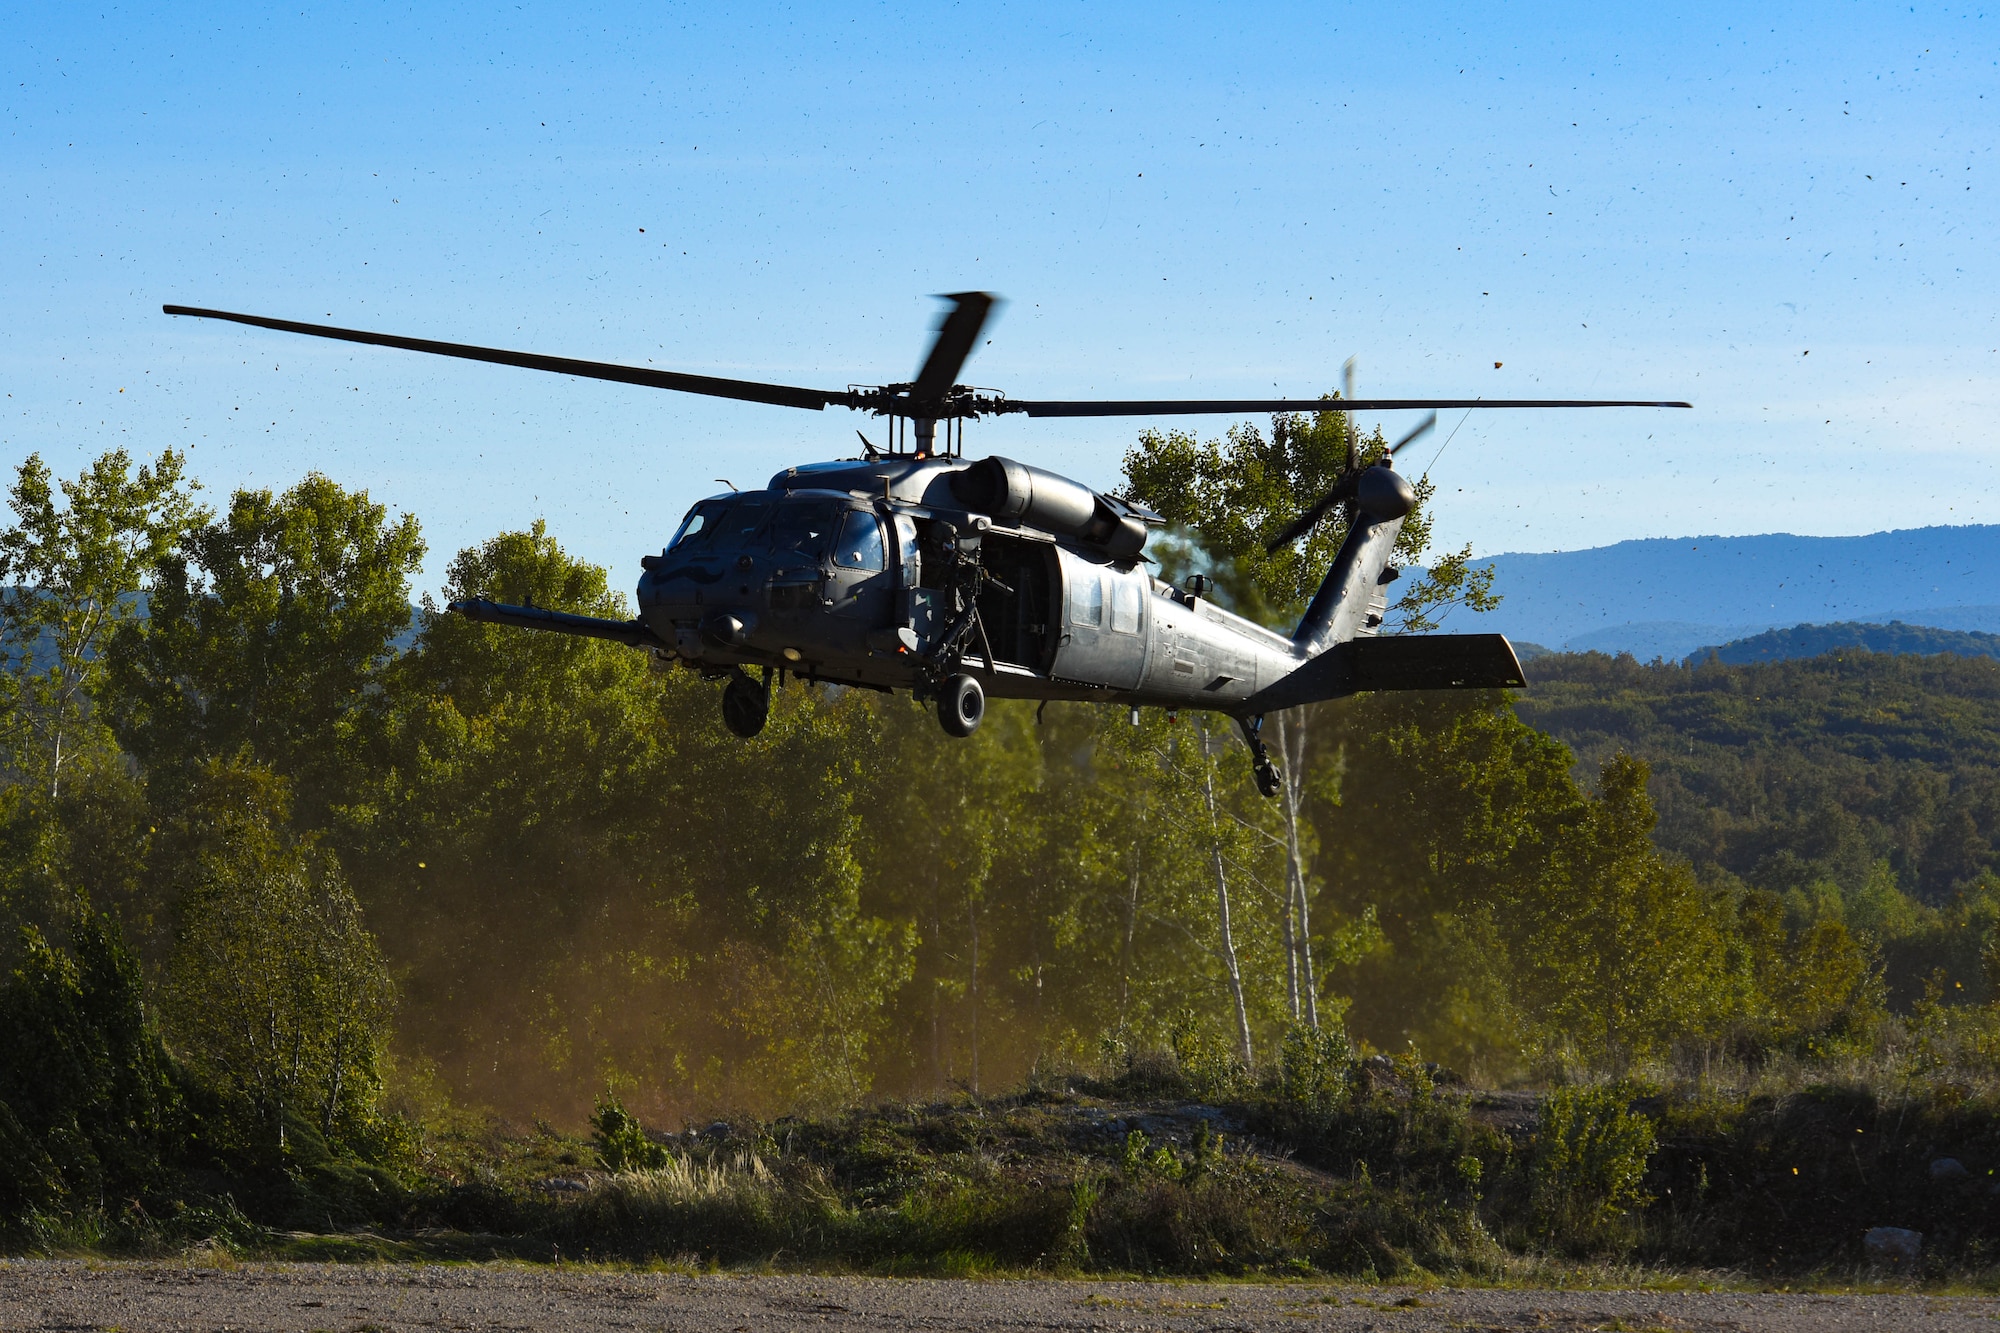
x: 1018, y: 493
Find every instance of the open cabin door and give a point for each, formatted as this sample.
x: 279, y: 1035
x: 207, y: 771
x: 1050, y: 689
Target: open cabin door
x: 1021, y: 617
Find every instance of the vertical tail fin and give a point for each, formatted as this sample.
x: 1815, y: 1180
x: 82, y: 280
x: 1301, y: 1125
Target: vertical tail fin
x: 1352, y: 600
x: 1335, y: 637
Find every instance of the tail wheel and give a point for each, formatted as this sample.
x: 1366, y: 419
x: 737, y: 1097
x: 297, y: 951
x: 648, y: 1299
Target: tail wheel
x: 746, y: 705
x: 961, y: 706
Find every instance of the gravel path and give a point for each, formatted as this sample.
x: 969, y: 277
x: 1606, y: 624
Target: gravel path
x: 142, y: 1297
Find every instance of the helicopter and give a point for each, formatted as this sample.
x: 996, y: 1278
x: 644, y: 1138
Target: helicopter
x: 913, y: 568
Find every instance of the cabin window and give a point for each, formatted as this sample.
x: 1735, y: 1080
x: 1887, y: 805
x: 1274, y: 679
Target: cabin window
x: 860, y: 544
x: 1089, y: 599
x: 1125, y: 607
x: 804, y: 527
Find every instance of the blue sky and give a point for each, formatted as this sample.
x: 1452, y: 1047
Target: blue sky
x: 1785, y: 214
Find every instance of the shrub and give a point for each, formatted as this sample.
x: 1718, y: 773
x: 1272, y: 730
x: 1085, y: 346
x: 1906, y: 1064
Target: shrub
x: 1313, y: 1071
x: 1367, y: 1230
x: 90, y: 1103
x: 1220, y: 1222
x: 1210, y: 1071
x: 1589, y: 1162
x: 727, y: 1211
x: 621, y: 1140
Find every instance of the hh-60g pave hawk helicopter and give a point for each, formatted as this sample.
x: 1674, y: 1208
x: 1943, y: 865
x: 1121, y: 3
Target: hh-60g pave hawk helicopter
x: 912, y: 568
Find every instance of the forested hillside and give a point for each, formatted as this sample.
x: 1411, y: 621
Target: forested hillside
x: 1817, y: 640
x: 277, y: 874
x: 1856, y: 785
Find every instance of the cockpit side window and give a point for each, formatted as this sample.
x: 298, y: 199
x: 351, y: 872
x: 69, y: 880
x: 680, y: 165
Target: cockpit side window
x: 860, y: 544
x: 700, y: 524
x: 802, y: 526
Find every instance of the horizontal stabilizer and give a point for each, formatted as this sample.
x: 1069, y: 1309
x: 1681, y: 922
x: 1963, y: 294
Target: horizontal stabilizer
x: 632, y: 633
x: 1414, y: 662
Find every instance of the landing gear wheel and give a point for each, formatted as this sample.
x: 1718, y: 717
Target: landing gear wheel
x: 961, y: 705
x: 1261, y: 766
x: 746, y: 704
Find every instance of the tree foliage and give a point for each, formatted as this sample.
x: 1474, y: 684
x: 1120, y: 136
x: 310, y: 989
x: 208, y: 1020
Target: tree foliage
x: 267, y: 636
x: 90, y: 1106
x: 72, y: 573
x: 1850, y: 799
x: 286, y: 786
x: 276, y: 992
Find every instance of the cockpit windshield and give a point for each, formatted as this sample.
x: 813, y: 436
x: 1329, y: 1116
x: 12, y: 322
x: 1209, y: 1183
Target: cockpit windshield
x: 746, y: 514
x: 701, y: 523
x: 802, y: 526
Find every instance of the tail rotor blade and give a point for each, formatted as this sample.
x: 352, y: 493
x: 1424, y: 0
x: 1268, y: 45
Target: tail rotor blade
x: 1415, y: 433
x: 1305, y: 522
x: 1342, y: 488
x: 957, y: 334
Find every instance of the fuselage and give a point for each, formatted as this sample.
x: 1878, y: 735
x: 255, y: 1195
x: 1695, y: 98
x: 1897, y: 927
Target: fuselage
x: 841, y: 572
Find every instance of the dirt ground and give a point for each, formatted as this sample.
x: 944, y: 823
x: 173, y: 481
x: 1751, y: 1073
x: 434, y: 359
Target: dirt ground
x: 141, y: 1297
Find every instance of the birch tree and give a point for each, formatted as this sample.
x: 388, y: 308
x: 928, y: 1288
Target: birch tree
x: 72, y: 566
x: 1225, y: 500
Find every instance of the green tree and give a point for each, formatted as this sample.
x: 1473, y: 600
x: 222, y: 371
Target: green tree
x: 1525, y: 917
x: 1440, y: 821
x: 1226, y: 500
x: 73, y: 570
x: 1620, y: 951
x: 276, y: 991
x: 1811, y: 985
x: 90, y: 1105
x: 269, y: 635
x: 948, y: 841
x: 605, y: 885
x: 1189, y: 816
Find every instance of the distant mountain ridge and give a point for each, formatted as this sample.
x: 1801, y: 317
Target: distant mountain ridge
x: 1896, y: 638
x: 1668, y: 597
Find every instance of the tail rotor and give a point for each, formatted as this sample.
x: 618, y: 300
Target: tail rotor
x: 1345, y: 486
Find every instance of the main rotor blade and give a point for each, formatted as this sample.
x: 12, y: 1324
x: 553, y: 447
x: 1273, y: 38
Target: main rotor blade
x: 749, y: 391
x: 957, y: 332
x: 1225, y: 406
x: 1415, y: 433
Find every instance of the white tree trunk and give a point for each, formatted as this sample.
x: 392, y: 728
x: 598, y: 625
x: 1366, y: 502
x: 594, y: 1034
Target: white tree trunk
x: 1228, y: 939
x: 1125, y: 955
x: 972, y: 917
x: 1292, y: 749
